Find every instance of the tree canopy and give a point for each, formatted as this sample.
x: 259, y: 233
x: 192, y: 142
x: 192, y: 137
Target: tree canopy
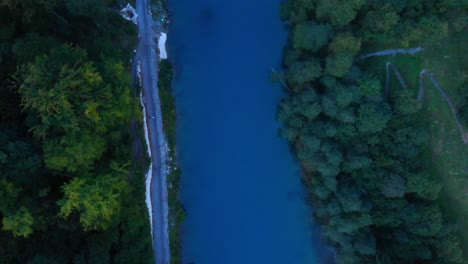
x: 65, y: 140
x: 363, y: 154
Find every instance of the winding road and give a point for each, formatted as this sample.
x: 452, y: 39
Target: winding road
x: 444, y: 95
x: 147, y: 58
x: 411, y: 51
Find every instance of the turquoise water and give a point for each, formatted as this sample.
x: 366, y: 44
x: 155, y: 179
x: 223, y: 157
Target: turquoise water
x: 240, y: 184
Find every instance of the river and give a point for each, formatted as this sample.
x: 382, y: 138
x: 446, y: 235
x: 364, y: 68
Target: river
x: 240, y: 184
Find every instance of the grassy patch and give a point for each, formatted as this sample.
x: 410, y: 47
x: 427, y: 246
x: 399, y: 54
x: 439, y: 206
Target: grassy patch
x: 176, y: 211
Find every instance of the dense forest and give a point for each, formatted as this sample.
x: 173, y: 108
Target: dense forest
x: 71, y: 175
x: 368, y: 159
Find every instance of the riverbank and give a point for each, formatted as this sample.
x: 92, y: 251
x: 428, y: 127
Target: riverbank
x: 371, y: 161
x: 176, y: 210
x: 147, y: 57
x: 176, y: 213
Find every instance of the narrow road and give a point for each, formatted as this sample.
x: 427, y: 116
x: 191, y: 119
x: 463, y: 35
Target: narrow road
x: 444, y: 95
x: 411, y: 51
x: 446, y: 98
x: 403, y: 84
x: 146, y: 56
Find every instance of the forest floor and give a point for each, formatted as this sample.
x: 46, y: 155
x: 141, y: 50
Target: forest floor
x: 446, y: 154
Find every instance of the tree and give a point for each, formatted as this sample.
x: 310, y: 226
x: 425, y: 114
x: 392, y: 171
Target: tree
x: 424, y: 185
x: 87, y: 8
x: 449, y: 249
x: 365, y: 243
x: 32, y: 45
x: 29, y: 9
x: 428, y: 30
x: 345, y: 42
x: 373, y: 117
x: 22, y: 159
x: 8, y: 194
x: 354, y: 162
x: 303, y: 72
x: 339, y: 65
x: 393, y: 186
x: 311, y: 36
x: 338, y: 12
x: 350, y: 198
x: 295, y: 10
x: 311, y: 143
x: 406, y: 104
x: 349, y: 223
x: 73, y: 152
x: 78, y: 108
x: 370, y: 86
x: 423, y: 220
x: 55, y: 88
x: 98, y: 200
x: 329, y: 106
x: 383, y: 19
x: 19, y: 223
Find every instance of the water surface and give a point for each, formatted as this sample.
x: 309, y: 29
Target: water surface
x: 240, y: 185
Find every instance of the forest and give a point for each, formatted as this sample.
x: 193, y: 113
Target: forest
x: 386, y: 175
x: 71, y: 174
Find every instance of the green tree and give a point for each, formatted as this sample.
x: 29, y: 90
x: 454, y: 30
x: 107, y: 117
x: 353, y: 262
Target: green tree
x: 8, y: 194
x: 339, y: 65
x: 350, y: 199
x: 382, y: 19
x: 73, y: 152
x: 449, y: 249
x: 424, y: 220
x: 98, y: 200
x: 424, y: 185
x: 373, y: 117
x: 338, y: 12
x: 428, y: 30
x: 32, y: 45
x: 311, y: 36
x: 55, y: 87
x: 370, y: 86
x: 295, y: 10
x: 345, y: 42
x: 19, y: 223
x: 393, y: 186
x: 301, y: 73
x: 406, y: 103
x: 365, y: 243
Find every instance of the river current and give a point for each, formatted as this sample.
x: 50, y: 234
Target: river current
x: 240, y: 184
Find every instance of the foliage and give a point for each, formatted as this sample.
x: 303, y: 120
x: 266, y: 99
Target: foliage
x: 302, y: 73
x: 8, y: 194
x: 97, y: 199
x: 311, y: 36
x: 19, y: 223
x: 363, y: 154
x: 65, y: 138
x: 338, y: 12
x: 370, y: 86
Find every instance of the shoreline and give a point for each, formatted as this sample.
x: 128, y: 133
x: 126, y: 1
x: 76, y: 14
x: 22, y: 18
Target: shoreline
x: 155, y: 182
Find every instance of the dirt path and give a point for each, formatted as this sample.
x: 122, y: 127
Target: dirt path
x: 411, y: 51
x: 147, y: 58
x: 420, y: 98
x: 444, y: 95
x: 398, y: 75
